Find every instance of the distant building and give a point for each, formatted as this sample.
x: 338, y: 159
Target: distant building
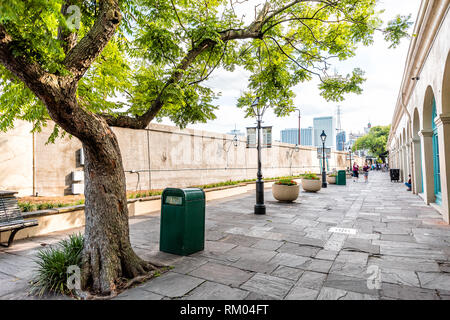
x: 366, y: 130
x: 340, y: 141
x: 306, y: 136
x: 326, y: 124
x: 352, y: 137
x: 236, y: 132
x: 289, y: 136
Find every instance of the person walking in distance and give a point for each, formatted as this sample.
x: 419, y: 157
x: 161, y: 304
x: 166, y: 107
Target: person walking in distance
x: 355, y: 171
x: 366, y: 169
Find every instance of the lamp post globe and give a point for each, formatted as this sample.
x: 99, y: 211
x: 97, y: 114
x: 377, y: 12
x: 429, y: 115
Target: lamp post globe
x: 323, y: 137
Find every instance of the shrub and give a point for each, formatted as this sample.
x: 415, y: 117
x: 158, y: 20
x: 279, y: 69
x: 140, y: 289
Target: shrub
x: 286, y: 182
x: 26, y: 206
x: 333, y: 175
x: 310, y: 176
x: 51, y: 273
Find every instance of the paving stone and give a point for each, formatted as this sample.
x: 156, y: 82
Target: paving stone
x: 361, y: 245
x: 216, y: 291
x: 301, y: 240
x: 398, y: 237
x: 254, y: 265
x: 138, y: 294
x: 327, y: 293
x: 318, y: 265
x: 350, y: 269
x: 434, y: 280
x: 238, y: 239
x: 189, y: 264
x: 260, y: 297
x: 311, y: 280
x: 252, y: 254
x: 299, y: 293
x: 326, y: 255
x: 299, y: 250
x: 172, y: 284
x: 288, y: 273
x: 352, y: 284
x: 414, y: 253
x: 444, y: 267
x: 221, y: 273
x: 407, y: 293
x: 265, y: 244
x: 353, y: 257
x: 404, y: 263
x: 268, y: 285
x: 398, y: 276
x: 290, y: 260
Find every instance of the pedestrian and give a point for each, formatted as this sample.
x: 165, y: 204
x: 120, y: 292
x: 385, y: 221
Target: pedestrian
x: 355, y: 171
x: 408, y: 184
x: 366, y: 169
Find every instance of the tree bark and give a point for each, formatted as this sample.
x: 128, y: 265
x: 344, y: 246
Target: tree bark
x: 108, y: 256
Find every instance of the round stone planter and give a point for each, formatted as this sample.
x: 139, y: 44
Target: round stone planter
x: 311, y: 185
x: 331, y: 180
x: 285, y: 193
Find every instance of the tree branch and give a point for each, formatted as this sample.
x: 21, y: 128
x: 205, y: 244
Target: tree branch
x: 79, y: 58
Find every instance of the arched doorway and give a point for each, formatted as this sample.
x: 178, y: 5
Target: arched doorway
x: 436, y: 164
x: 430, y: 149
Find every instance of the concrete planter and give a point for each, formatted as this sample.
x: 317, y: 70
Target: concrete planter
x: 331, y: 180
x: 311, y: 185
x: 285, y: 193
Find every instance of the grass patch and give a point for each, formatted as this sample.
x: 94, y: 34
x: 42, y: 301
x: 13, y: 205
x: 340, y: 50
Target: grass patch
x: 51, y: 273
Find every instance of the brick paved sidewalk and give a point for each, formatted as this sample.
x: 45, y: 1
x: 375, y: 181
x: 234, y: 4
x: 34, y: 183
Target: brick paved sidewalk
x: 382, y: 233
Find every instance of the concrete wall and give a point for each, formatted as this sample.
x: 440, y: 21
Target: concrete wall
x: 163, y: 156
x: 16, y: 159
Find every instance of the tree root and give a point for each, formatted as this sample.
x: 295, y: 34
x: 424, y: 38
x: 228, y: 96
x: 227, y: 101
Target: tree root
x: 153, y: 271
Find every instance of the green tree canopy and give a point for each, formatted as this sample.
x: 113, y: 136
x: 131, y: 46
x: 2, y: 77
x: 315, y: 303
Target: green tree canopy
x: 375, y: 141
x: 156, y: 65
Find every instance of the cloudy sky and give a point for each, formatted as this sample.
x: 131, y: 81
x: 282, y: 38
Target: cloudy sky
x: 384, y: 70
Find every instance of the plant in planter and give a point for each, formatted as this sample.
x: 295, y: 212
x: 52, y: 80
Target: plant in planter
x: 311, y: 182
x: 285, y: 190
x: 331, y: 178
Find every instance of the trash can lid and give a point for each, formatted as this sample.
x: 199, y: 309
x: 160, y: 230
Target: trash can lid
x: 189, y: 194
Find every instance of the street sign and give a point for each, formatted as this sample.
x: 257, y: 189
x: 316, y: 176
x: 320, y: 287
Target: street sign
x: 252, y: 140
x: 320, y: 153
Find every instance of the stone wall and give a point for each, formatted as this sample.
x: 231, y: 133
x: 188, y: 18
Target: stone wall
x: 155, y: 158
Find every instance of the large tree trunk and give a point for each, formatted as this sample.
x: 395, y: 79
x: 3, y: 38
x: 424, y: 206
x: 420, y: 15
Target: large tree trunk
x: 108, y: 257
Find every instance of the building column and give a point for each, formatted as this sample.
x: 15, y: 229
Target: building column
x: 443, y: 126
x: 417, y: 167
x: 427, y: 165
x: 404, y: 163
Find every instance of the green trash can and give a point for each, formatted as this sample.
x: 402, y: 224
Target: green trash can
x: 341, y: 178
x: 182, y: 221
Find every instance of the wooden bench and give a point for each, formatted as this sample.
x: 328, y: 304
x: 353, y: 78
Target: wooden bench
x: 11, y: 218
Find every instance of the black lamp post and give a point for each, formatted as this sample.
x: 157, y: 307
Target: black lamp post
x: 323, y: 137
x: 299, y: 130
x: 260, y: 208
x: 350, y: 158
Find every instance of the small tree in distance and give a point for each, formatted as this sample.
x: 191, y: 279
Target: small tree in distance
x: 68, y: 60
x: 374, y: 141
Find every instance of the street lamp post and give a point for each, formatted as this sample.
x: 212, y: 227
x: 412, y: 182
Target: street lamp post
x: 350, y: 158
x: 323, y: 136
x: 299, y: 130
x: 260, y: 208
